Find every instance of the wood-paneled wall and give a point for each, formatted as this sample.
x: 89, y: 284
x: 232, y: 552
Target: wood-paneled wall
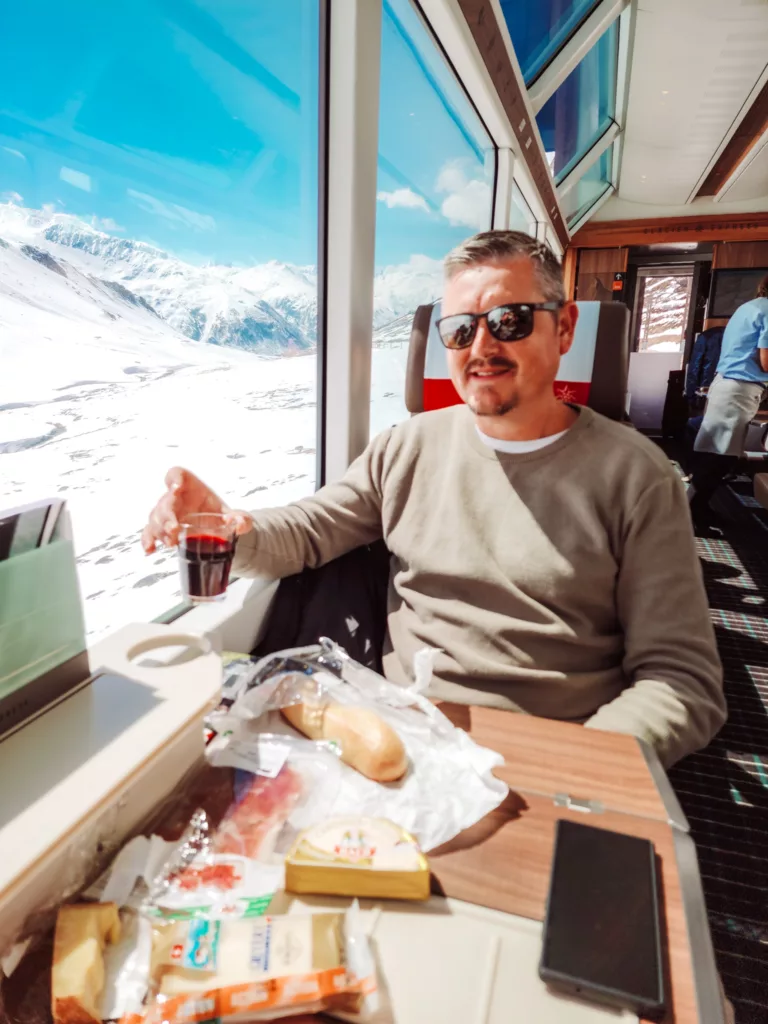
x: 746, y: 227
x: 734, y: 255
x: 596, y: 267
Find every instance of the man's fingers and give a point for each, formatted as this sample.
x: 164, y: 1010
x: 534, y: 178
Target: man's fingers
x: 185, y: 494
x: 176, y: 478
x: 163, y: 524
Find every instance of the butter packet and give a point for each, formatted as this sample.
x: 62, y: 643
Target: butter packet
x: 369, y: 858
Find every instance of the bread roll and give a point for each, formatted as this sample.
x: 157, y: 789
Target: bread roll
x: 367, y: 743
x: 77, y: 977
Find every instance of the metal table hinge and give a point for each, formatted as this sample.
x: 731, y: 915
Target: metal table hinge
x: 575, y: 803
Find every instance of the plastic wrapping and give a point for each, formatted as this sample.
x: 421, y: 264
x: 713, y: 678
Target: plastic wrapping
x: 449, y: 784
x: 210, y: 813
x: 258, y: 970
x: 233, y: 868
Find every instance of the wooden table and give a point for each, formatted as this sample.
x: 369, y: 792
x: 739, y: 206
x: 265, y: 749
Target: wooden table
x: 504, y: 861
x: 551, y: 758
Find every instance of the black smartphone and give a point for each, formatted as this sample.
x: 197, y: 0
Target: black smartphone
x: 602, y: 934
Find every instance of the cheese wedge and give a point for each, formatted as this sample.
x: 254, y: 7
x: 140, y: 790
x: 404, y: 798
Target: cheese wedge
x: 77, y: 977
x: 366, y: 857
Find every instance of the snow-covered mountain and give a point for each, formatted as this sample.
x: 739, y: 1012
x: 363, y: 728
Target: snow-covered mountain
x: 269, y: 309
x: 118, y: 360
x: 663, y: 313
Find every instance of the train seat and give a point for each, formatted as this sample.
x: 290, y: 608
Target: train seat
x: 593, y: 373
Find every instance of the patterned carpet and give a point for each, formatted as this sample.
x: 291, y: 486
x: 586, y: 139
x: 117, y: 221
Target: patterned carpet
x: 724, y: 789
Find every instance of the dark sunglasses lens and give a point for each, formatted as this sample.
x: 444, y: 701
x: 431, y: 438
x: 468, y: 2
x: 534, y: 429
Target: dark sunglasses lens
x: 457, y: 331
x: 510, y: 323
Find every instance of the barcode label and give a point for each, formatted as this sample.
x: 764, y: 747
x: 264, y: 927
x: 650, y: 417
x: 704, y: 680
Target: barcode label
x: 260, y: 941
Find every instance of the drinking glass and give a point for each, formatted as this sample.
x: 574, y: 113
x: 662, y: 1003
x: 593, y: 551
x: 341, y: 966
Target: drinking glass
x: 206, y: 549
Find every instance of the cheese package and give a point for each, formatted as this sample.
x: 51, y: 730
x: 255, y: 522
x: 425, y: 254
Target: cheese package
x: 77, y: 977
x: 364, y: 857
x: 259, y: 968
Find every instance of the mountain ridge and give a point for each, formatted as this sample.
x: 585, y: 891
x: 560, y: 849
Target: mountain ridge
x: 268, y: 308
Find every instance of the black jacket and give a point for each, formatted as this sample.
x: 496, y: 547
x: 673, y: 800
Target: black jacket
x: 704, y: 360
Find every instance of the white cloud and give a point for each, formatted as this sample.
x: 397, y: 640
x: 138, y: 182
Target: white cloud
x: 172, y: 212
x: 14, y: 152
x: 11, y: 197
x: 75, y: 178
x: 105, y: 224
x: 404, y: 197
x: 468, y: 200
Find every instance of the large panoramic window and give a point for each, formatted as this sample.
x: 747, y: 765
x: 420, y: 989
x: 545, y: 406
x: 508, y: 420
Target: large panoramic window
x: 592, y: 185
x: 540, y: 28
x: 158, y: 240
x: 582, y: 108
x: 434, y: 188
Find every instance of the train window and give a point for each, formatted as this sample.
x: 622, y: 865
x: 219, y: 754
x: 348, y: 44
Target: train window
x: 158, y: 241
x: 521, y: 216
x: 592, y: 185
x: 540, y: 28
x: 434, y: 188
x: 582, y: 108
x: 661, y: 308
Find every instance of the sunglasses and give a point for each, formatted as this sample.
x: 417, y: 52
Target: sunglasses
x: 512, y: 322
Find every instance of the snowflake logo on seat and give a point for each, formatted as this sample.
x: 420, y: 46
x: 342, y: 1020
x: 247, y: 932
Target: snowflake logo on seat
x: 563, y: 393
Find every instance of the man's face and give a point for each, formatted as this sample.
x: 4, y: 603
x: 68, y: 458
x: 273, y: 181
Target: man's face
x: 495, y: 377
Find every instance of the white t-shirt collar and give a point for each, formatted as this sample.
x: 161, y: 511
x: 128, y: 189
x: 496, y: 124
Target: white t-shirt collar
x: 519, y: 447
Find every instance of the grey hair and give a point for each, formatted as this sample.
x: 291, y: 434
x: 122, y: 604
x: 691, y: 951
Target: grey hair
x: 500, y: 246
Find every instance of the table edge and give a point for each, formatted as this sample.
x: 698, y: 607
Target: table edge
x: 675, y: 814
x: 706, y: 979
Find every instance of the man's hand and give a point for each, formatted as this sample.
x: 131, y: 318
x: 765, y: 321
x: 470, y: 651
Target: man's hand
x: 185, y: 495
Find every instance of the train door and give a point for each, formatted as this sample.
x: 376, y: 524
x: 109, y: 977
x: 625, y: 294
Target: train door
x: 667, y: 296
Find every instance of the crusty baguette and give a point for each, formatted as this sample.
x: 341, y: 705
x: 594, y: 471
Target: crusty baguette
x: 367, y: 743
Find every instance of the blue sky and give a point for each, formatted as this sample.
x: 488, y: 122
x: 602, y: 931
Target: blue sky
x: 192, y: 124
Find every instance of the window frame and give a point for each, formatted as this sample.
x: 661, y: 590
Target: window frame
x: 343, y: 358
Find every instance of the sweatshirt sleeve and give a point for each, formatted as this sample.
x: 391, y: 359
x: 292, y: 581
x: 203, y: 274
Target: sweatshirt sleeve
x: 675, y: 698
x: 306, y: 534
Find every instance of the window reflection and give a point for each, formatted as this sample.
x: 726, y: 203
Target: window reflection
x: 540, y: 28
x: 582, y: 108
x: 435, y: 187
x: 580, y: 199
x: 158, y: 239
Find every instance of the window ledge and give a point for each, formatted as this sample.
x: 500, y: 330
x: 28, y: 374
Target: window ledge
x: 237, y: 622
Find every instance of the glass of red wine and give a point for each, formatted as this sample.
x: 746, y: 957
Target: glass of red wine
x: 206, y: 549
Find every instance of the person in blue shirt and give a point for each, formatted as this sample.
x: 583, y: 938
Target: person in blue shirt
x: 733, y: 399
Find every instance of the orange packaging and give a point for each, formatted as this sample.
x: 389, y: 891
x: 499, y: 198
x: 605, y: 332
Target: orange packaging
x: 259, y: 969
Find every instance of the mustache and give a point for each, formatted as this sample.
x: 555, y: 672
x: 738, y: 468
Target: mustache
x: 494, y: 363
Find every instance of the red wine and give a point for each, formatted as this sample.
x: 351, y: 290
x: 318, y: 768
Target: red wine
x: 204, y: 562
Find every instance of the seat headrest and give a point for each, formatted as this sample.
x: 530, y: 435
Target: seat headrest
x: 593, y: 372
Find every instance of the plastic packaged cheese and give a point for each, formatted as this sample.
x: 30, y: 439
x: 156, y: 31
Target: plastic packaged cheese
x: 365, y: 857
x: 259, y: 969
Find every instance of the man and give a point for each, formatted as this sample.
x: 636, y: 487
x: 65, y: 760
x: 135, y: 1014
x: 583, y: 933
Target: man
x: 733, y: 399
x: 546, y: 552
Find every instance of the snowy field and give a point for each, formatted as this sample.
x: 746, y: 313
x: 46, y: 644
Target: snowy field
x: 99, y: 396
x: 245, y: 425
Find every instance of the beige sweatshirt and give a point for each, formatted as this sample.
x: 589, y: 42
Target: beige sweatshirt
x: 562, y: 582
